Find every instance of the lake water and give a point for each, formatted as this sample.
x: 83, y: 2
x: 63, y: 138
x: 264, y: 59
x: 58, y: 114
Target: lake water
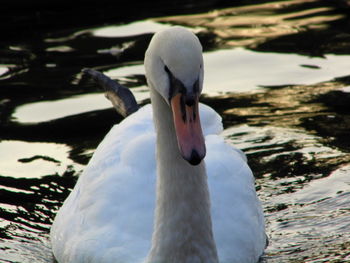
x: 278, y: 73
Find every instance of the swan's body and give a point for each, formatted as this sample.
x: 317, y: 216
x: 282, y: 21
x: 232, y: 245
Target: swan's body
x: 139, y: 200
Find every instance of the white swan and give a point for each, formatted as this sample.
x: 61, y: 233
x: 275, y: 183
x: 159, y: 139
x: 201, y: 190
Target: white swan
x: 141, y: 200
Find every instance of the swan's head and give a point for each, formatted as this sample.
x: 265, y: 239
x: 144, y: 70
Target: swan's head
x: 174, y: 68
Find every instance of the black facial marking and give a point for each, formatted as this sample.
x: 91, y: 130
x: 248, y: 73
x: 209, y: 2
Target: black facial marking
x: 183, y: 108
x: 188, y: 98
x: 196, y: 86
x: 176, y: 86
x: 167, y: 69
x: 194, y: 114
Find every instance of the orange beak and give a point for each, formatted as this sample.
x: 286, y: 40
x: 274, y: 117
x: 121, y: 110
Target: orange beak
x: 188, y: 129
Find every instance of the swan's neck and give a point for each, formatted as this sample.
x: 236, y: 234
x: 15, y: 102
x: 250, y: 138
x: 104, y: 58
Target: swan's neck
x: 182, y: 227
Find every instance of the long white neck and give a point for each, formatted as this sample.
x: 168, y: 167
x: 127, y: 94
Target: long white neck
x: 182, y: 228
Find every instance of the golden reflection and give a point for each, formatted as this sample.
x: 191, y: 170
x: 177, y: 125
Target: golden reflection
x: 253, y: 24
x: 284, y: 106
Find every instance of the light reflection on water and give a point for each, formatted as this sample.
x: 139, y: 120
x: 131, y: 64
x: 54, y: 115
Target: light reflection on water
x: 226, y: 71
x: 50, y: 110
x: 3, y: 70
x: 241, y: 70
x: 27, y: 251
x: 315, y: 224
x: 48, y: 158
x: 131, y: 29
x: 329, y: 187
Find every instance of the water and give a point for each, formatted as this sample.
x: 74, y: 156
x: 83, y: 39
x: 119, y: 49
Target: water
x: 277, y: 72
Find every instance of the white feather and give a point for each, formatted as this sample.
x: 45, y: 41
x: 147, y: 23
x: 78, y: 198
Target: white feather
x: 108, y: 217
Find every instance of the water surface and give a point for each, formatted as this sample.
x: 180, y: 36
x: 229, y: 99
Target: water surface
x: 278, y: 73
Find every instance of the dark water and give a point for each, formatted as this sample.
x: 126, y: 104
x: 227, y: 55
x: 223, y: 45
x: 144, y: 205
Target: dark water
x: 278, y: 73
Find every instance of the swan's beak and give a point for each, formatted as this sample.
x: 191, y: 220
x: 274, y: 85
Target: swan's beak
x: 188, y: 128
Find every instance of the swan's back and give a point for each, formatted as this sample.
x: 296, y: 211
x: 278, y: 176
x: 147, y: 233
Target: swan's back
x: 108, y: 217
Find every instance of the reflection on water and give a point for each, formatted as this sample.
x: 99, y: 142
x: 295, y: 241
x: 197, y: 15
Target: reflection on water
x: 277, y: 72
x: 307, y: 209
x: 50, y: 110
x: 242, y: 70
x: 315, y: 226
x: 26, y: 252
x: 3, y: 70
x: 32, y: 160
x: 261, y: 26
x: 132, y: 29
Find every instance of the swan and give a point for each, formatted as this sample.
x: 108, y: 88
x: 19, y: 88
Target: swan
x: 163, y: 186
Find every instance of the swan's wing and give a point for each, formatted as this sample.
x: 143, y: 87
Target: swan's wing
x: 211, y: 121
x: 238, y: 222
x: 108, y: 217
x: 121, y: 97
